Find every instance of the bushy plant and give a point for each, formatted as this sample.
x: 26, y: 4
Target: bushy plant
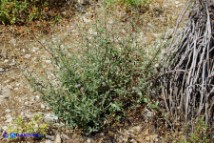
x: 13, y: 11
x: 23, y: 11
x: 100, y: 82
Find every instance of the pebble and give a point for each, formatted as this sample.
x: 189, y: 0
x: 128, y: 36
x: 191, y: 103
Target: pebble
x: 147, y: 114
x: 9, y: 118
x: 49, y: 137
x: 57, y: 138
x: 35, y: 98
x: 5, y: 61
x: 65, y: 137
x: 1, y: 70
x: 12, y: 64
x: 89, y: 141
x: 42, y: 106
x: 50, y: 117
x: 26, y: 103
x: 13, y: 42
x: 48, y: 141
x: 86, y: 20
x: 5, y: 91
x: 4, y: 128
x: 48, y: 61
x: 27, y: 56
x: 7, y: 110
x: 35, y: 49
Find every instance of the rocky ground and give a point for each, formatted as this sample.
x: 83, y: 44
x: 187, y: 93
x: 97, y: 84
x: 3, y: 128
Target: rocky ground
x: 21, y: 55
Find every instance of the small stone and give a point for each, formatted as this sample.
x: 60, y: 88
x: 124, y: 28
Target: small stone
x: 9, y: 118
x: 42, y: 106
x: 86, y: 20
x: 111, y: 21
x: 22, y: 114
x: 177, y: 2
x: 27, y: 114
x: 65, y: 137
x: 4, y: 128
x: 89, y: 141
x: 26, y: 103
x: 5, y: 92
x: 13, y: 42
x: 50, y: 117
x: 58, y: 138
x: 6, y: 61
x: 48, y: 61
x: 135, y: 129
x: 49, y: 137
x: 27, y: 56
x: 147, y: 114
x: 12, y: 64
x: 7, y: 110
x: 1, y: 70
x: 35, y: 49
x: 48, y: 141
x: 36, y: 98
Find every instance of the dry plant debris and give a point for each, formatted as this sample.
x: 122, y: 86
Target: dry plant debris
x: 188, y: 83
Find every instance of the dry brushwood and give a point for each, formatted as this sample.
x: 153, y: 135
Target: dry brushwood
x: 188, y: 83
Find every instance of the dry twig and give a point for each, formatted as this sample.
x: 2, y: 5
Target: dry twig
x: 188, y: 89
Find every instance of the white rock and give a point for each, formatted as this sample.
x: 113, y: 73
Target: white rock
x: 177, y: 2
x: 7, y: 110
x: 6, y: 61
x: 35, y: 49
x: 49, y: 137
x: 1, y: 70
x: 5, y: 92
x: 35, y: 98
x: 89, y: 141
x: 27, y: 56
x: 13, y: 41
x: 9, y: 118
x: 22, y: 114
x: 111, y: 21
x: 48, y: 61
x: 27, y: 114
x: 26, y: 103
x: 42, y: 106
x: 4, y: 128
x: 86, y: 20
x: 50, y: 117
x: 58, y: 138
x: 48, y: 141
x: 12, y: 64
x: 65, y: 137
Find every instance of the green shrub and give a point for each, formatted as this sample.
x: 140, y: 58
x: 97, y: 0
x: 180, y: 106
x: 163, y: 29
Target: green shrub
x: 101, y: 82
x: 14, y: 11
x: 23, y: 11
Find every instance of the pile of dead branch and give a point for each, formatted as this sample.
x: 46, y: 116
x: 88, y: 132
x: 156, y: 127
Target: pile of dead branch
x: 188, y: 82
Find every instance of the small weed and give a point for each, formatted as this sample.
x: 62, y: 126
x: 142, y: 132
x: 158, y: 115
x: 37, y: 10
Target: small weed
x: 21, y: 127
x: 130, y: 4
